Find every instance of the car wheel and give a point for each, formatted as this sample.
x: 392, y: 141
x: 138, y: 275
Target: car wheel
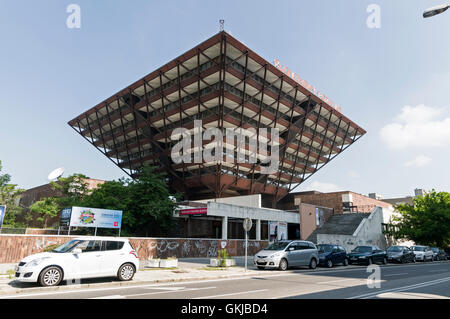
x: 329, y: 263
x: 126, y: 272
x: 345, y: 262
x: 313, y: 263
x: 403, y: 260
x: 283, y: 264
x: 51, y: 276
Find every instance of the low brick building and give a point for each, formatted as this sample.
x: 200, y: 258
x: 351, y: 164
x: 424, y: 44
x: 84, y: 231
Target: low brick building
x: 341, y: 202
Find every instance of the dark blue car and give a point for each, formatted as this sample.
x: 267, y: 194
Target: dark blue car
x: 330, y: 255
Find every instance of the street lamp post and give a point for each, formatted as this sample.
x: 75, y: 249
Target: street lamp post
x: 435, y: 10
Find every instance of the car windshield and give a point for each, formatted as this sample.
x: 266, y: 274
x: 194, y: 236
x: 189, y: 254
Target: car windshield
x: 64, y: 248
x: 324, y: 248
x: 277, y: 246
x: 434, y: 249
x: 362, y: 249
x: 395, y: 249
x: 418, y: 248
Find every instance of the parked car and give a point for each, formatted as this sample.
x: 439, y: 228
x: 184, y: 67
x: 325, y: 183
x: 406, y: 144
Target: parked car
x: 367, y: 255
x: 447, y: 252
x: 285, y: 254
x: 400, y: 254
x: 439, y: 254
x: 423, y: 253
x: 330, y: 255
x: 80, y: 258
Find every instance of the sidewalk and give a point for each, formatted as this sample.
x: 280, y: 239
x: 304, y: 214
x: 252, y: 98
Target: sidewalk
x: 188, y: 269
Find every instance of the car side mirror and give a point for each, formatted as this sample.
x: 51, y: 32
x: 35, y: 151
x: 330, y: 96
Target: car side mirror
x: 77, y: 251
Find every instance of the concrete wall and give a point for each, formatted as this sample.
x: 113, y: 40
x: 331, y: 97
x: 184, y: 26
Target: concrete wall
x: 307, y: 220
x: 246, y: 200
x: 369, y: 232
x: 15, y: 247
x: 234, y: 211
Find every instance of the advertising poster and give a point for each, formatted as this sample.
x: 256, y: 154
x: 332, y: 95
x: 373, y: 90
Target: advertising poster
x: 273, y: 231
x: 95, y: 217
x: 2, y: 214
x: 282, y: 231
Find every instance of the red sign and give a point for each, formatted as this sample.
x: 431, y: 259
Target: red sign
x: 305, y: 84
x: 193, y: 211
x: 116, y: 223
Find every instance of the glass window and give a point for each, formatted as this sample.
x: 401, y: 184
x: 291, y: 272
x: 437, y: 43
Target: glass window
x: 112, y: 245
x: 324, y: 248
x: 362, y: 249
x: 281, y: 245
x: 89, y: 245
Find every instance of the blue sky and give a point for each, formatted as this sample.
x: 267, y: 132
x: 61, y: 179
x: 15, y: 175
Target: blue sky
x: 393, y: 81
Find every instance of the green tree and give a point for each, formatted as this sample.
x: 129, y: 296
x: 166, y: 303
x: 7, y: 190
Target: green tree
x: 425, y: 222
x: 151, y: 204
x: 46, y: 208
x: 73, y: 190
x: 9, y: 196
x: 146, y: 202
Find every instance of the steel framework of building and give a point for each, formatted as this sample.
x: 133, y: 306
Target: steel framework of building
x: 225, y: 84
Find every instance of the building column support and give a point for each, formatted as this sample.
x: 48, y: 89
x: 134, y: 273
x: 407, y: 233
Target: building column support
x: 258, y: 229
x: 225, y: 227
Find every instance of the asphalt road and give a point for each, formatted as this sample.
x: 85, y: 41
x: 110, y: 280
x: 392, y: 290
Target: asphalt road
x: 420, y: 280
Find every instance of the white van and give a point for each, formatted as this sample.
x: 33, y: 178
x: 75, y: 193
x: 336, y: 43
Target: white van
x: 80, y: 258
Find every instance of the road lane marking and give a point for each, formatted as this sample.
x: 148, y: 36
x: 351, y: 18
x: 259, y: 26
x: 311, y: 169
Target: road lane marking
x: 410, y: 295
x: 232, y: 294
x: 340, y: 280
x: 167, y: 288
x: 404, y: 273
x: 167, y: 292
x: 404, y: 288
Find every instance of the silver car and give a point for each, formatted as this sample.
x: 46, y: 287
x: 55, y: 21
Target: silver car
x: 285, y: 254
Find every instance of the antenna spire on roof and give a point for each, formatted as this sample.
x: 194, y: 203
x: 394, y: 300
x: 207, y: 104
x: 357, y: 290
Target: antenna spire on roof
x: 221, y: 22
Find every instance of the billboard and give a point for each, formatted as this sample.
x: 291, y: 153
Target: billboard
x: 278, y: 230
x: 94, y: 217
x: 2, y: 214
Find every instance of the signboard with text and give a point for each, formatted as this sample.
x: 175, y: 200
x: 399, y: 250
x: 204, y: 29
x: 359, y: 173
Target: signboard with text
x: 95, y: 217
x: 193, y: 211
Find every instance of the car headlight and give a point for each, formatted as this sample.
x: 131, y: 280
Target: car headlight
x: 36, y: 262
x: 275, y: 255
x: 362, y: 257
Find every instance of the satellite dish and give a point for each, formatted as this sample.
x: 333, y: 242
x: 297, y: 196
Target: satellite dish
x: 435, y: 10
x: 55, y: 174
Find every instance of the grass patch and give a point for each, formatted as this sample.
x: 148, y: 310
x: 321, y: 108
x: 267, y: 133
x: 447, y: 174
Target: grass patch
x: 215, y: 268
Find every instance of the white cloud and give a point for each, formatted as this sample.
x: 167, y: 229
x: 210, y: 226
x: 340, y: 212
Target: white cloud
x: 417, y: 126
x: 323, y: 187
x: 419, y: 161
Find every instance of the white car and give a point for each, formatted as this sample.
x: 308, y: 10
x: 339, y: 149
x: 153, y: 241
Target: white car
x: 423, y: 253
x: 79, y: 258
